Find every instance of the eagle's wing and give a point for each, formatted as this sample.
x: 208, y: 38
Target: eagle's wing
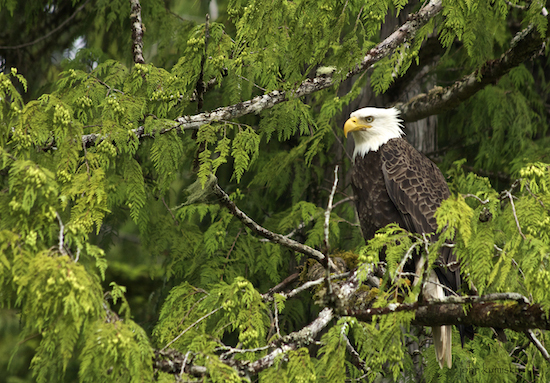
x: 417, y: 187
x: 414, y: 183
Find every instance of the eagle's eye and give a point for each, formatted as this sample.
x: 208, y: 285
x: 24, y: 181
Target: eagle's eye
x: 369, y: 119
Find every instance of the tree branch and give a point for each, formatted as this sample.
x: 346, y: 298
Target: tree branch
x: 329, y: 210
x: 254, y: 106
x: 170, y: 361
x: 274, y: 237
x: 43, y: 37
x: 137, y: 32
x: 483, y: 312
x: 532, y: 337
x: 523, y: 46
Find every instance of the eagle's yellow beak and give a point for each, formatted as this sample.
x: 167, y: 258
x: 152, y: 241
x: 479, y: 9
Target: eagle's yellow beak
x: 352, y: 125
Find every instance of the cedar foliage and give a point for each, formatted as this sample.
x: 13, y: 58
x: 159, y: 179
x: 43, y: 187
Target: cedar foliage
x: 112, y: 248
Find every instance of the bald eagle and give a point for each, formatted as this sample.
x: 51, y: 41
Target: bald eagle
x: 394, y: 183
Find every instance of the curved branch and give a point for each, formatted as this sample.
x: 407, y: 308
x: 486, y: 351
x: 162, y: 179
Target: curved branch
x: 274, y: 237
x: 526, y: 44
x: 43, y: 37
x: 254, y: 106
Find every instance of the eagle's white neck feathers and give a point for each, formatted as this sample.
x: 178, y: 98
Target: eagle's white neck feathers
x: 385, y: 125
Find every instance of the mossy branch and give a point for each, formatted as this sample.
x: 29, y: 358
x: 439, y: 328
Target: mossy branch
x: 255, y: 105
x: 525, y: 45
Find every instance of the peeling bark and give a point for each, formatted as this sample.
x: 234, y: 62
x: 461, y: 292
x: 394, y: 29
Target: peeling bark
x: 137, y: 32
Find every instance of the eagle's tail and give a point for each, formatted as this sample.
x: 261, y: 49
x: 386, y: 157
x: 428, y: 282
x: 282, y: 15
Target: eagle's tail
x: 443, y: 342
x: 442, y: 335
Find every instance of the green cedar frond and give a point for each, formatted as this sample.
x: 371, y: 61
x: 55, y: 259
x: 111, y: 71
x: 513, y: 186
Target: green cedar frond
x: 244, y: 151
x: 330, y: 365
x: 57, y: 300
x: 116, y: 352
x: 136, y: 188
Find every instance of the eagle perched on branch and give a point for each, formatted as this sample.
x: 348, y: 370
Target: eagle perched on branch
x: 394, y: 183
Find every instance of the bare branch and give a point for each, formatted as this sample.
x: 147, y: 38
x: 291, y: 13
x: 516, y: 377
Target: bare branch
x: 170, y: 360
x: 482, y: 312
x: 137, y: 32
x: 61, y: 244
x: 404, y: 261
x: 403, y: 34
x: 190, y: 327
x: 329, y: 210
x: 531, y: 335
x: 274, y: 237
x: 293, y: 341
x: 287, y: 281
x: 278, y: 331
x: 60, y: 26
x: 254, y: 106
x: 356, y: 359
x: 309, y: 285
x: 481, y: 201
x: 524, y: 45
x: 231, y: 350
x: 509, y: 195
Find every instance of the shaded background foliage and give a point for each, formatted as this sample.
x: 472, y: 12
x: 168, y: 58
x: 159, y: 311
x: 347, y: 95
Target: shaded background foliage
x: 142, y: 245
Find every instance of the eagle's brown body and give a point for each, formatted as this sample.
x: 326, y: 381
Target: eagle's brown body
x: 397, y: 184
x: 394, y: 183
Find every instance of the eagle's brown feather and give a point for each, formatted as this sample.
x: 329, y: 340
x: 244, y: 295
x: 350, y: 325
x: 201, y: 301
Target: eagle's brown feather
x: 397, y: 184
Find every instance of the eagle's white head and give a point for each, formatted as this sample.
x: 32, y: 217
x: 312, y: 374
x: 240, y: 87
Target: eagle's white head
x: 372, y: 128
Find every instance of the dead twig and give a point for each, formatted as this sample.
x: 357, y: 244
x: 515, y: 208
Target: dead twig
x: 190, y: 327
x: 533, y: 339
x: 310, y: 252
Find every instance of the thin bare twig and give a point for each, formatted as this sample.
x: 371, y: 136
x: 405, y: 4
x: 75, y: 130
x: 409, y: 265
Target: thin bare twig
x: 481, y: 201
x: 229, y: 252
x: 43, y: 37
x: 194, y: 304
x: 254, y: 84
x: 311, y: 284
x: 342, y: 145
x: 190, y: 327
x: 310, y: 252
x: 184, y: 363
x: 531, y: 335
x: 509, y: 195
x: 355, y: 357
x: 276, y: 318
x: 329, y: 210
x: 232, y: 350
x: 170, y: 211
x: 405, y: 259
x: 61, y: 244
x: 534, y: 196
x: 286, y: 282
